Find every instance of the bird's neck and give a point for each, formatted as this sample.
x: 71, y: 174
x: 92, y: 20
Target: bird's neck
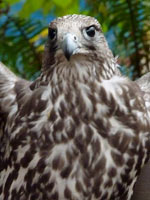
x: 80, y: 69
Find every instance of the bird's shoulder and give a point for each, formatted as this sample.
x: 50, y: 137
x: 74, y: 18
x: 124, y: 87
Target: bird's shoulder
x: 125, y: 93
x: 10, y: 87
x: 125, y: 110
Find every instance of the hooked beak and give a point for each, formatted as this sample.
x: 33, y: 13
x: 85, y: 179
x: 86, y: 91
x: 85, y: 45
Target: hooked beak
x: 69, y: 45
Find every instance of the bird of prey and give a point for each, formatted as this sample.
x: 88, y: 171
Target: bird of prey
x: 80, y: 131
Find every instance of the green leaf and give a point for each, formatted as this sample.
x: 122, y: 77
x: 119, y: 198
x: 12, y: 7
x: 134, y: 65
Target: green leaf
x: 63, y: 4
x: 72, y: 8
x: 47, y: 7
x: 10, y: 2
x: 29, y: 7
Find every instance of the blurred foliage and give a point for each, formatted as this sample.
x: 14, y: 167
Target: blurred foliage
x: 23, y: 31
x: 20, y: 46
x: 129, y: 21
x: 22, y: 36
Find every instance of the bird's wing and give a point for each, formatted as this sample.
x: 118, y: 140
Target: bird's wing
x: 9, y: 84
x: 128, y: 118
x: 142, y: 186
x: 144, y: 84
x: 13, y: 91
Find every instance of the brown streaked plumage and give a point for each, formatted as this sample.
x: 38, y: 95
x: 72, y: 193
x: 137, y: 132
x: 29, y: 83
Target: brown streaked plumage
x: 81, y: 130
x: 142, y: 186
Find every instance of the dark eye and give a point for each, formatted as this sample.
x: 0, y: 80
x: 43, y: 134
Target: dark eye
x: 52, y: 33
x: 90, y: 31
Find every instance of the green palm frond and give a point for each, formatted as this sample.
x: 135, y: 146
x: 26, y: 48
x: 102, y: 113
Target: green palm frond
x: 18, y: 49
x: 129, y: 21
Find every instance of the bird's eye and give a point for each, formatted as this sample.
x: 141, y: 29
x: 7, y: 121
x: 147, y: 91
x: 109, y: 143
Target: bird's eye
x: 90, y: 31
x: 52, y: 33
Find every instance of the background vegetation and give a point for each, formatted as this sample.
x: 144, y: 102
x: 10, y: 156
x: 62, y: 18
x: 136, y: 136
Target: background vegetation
x: 23, y: 31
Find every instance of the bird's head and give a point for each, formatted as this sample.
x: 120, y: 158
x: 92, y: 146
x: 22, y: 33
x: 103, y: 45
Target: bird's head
x: 76, y: 35
x: 76, y: 45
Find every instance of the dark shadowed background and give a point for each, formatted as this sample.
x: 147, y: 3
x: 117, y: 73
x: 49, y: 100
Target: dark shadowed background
x: 23, y: 31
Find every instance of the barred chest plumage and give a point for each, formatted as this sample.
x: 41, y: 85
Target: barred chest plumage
x: 66, y: 143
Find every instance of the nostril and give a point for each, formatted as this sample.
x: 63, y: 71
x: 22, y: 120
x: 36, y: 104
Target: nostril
x: 75, y: 38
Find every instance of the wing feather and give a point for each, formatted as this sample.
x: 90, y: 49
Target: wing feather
x: 8, y: 90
